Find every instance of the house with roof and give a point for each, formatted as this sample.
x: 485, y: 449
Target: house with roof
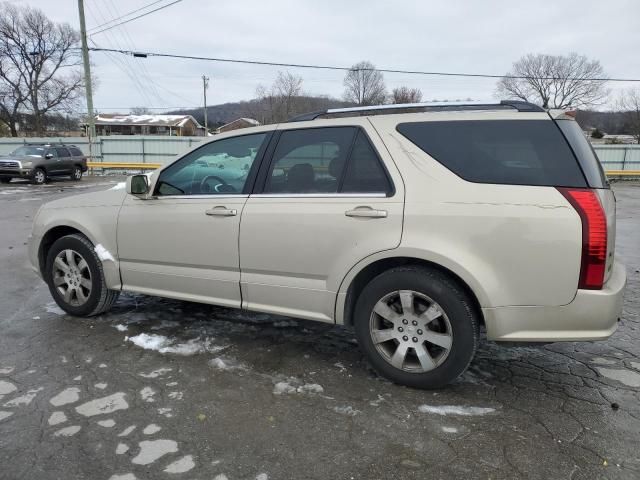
x: 173, y: 125
x: 237, y: 124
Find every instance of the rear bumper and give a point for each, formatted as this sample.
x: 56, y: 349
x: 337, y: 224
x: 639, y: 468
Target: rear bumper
x: 592, y: 315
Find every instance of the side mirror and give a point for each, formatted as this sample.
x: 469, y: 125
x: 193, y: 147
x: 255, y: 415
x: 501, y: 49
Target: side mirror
x: 137, y: 185
x: 48, y: 156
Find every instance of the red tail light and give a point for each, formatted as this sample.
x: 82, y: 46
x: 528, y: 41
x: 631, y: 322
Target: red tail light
x: 594, y: 236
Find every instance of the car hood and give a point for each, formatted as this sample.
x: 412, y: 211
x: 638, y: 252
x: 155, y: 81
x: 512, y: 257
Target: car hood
x: 111, y: 197
x: 19, y: 158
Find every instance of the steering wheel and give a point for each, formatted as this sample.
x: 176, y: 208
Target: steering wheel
x: 220, y: 187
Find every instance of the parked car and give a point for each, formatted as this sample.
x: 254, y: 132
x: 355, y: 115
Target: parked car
x: 416, y: 225
x: 39, y: 162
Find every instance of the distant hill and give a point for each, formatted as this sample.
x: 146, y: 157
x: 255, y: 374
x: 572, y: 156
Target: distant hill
x: 259, y: 109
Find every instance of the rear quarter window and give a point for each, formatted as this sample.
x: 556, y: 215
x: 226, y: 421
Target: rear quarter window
x: 514, y: 152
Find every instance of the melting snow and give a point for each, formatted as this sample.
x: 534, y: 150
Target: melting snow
x: 180, y: 466
x: 262, y: 476
x: 101, y: 386
x: 126, y: 476
x: 103, y: 405
x: 348, y: 410
x: 7, y: 387
x: 127, y: 431
x: 455, y: 410
x: 147, y: 394
x: 121, y: 328
x: 449, y: 430
x: 156, y: 373
x: 164, y: 344
x: 119, y: 186
x: 122, y: 448
x: 152, y: 450
x: 57, y: 418
x: 226, y: 363
x: 25, y: 399
x: 627, y: 377
x: 67, y: 431
x: 603, y: 361
x: 165, y: 412
x: 176, y: 395
x: 103, y: 253
x: 151, y: 429
x: 69, y: 395
x: 288, y: 387
x: 4, y: 415
x: 53, y: 307
x: 6, y: 370
x: 107, y: 423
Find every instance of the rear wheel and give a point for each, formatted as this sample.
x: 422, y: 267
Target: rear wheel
x: 77, y: 173
x: 39, y: 176
x: 5, y: 180
x: 416, y: 326
x: 75, y: 277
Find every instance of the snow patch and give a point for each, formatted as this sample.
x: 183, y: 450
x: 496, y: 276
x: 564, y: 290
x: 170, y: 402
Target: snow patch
x: 166, y: 412
x: 603, y: 361
x: 152, y: 450
x: 7, y: 387
x: 119, y: 186
x: 293, y: 385
x: 107, y: 423
x: 147, y: 394
x: 122, y: 448
x: 126, y: 476
x: 348, y: 410
x: 121, y: 328
x: 163, y: 344
x: 4, y: 414
x: 127, y: 431
x: 78, y: 378
x: 67, y: 431
x: 101, y: 386
x: 226, y: 363
x: 25, y: 399
x: 181, y: 466
x: 103, y: 405
x: 52, y: 307
x: 455, y: 410
x: 151, y: 429
x: 57, y: 418
x: 627, y: 377
x: 6, y: 370
x: 69, y: 395
x: 156, y: 373
x: 262, y: 476
x: 449, y: 430
x: 103, y: 253
x: 176, y: 395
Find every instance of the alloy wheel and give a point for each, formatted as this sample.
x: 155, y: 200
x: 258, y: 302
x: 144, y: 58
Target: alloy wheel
x: 411, y: 331
x: 72, y: 277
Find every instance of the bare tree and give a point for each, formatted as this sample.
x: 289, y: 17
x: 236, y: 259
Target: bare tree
x: 555, y: 81
x: 37, y: 57
x: 629, y: 105
x: 364, y: 85
x: 140, y: 111
x: 277, y: 103
x: 406, y: 95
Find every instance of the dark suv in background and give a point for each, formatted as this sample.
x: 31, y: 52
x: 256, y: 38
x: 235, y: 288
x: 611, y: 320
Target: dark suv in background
x: 39, y: 162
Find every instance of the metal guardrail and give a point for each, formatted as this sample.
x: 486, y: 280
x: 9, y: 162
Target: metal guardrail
x: 124, y: 165
x: 622, y: 173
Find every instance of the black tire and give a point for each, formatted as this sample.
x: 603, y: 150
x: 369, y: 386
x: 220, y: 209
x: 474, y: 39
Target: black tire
x: 76, y: 175
x: 39, y: 177
x: 100, y: 298
x: 459, y: 315
x: 5, y: 180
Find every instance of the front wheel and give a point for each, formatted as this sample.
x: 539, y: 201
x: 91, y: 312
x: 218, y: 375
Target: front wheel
x: 416, y: 326
x: 39, y: 176
x: 77, y: 174
x: 75, y: 277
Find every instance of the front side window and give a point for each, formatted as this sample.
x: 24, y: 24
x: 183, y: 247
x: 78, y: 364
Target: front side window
x: 309, y: 161
x: 52, y: 153
x: 218, y: 168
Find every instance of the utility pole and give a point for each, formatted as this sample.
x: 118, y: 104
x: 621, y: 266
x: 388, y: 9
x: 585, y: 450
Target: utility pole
x: 87, y: 77
x: 205, y: 85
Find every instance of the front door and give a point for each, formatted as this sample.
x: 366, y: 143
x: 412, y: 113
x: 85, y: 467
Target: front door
x: 182, y: 242
x: 327, y: 202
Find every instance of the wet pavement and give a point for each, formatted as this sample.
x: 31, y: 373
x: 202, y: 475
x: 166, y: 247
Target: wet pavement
x: 166, y: 389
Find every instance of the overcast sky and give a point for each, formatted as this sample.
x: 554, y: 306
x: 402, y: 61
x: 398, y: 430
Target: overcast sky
x: 437, y: 35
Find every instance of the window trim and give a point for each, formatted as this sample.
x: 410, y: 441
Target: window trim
x: 268, y: 160
x: 251, y: 177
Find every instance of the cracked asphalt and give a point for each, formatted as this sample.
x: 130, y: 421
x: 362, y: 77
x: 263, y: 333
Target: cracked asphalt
x: 165, y: 389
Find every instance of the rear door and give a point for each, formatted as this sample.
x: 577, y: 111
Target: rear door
x: 64, y: 163
x: 328, y: 197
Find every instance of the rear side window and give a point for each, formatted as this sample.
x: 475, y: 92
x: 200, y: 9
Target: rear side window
x: 587, y: 157
x: 75, y: 152
x: 364, y: 171
x: 62, y: 152
x: 514, y: 152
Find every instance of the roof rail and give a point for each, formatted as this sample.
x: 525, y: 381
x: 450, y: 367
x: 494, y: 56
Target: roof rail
x: 519, y: 105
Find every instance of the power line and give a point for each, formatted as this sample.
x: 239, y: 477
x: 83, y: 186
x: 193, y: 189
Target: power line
x: 136, y: 17
x: 125, y: 15
x: 334, y: 67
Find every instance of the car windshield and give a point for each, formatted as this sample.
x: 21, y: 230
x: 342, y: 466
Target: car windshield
x: 27, y: 151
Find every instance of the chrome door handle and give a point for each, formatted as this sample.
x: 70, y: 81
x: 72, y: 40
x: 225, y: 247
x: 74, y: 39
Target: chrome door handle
x: 366, y: 212
x: 221, y: 212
